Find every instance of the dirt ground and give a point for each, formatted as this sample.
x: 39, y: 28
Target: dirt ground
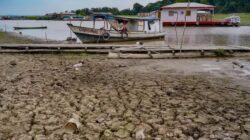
x: 117, y: 99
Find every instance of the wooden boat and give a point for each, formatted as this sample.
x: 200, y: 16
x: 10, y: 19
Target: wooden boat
x: 118, y: 29
x: 25, y: 28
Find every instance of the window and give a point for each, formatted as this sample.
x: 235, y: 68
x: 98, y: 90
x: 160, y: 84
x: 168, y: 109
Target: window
x: 188, y: 13
x: 171, y: 13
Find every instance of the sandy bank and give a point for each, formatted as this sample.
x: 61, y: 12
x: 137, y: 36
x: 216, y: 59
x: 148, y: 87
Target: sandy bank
x: 18, y: 38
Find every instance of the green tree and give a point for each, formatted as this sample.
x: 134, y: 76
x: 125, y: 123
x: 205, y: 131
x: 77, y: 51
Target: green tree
x: 204, y: 1
x: 222, y: 6
x: 137, y: 8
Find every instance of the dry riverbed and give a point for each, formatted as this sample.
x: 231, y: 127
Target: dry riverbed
x: 198, y: 99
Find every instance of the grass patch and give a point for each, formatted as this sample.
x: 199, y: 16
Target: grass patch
x: 220, y: 53
x: 9, y: 39
x: 245, y: 18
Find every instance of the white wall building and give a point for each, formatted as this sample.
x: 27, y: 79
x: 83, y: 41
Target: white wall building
x: 195, y: 12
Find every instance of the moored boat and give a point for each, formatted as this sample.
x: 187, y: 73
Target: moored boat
x: 117, y: 28
x: 25, y: 28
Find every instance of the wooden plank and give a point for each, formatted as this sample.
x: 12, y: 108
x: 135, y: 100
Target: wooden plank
x: 168, y: 50
x: 92, y: 46
x: 56, y: 51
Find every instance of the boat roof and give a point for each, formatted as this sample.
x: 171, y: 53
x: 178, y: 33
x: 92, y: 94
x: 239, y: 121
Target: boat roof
x: 108, y: 16
x: 185, y: 5
x: 102, y: 15
x: 149, y: 18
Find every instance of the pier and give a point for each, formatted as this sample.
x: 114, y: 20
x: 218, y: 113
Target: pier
x: 127, y: 51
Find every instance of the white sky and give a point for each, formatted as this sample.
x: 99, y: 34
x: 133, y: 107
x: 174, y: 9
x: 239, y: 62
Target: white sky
x: 37, y: 7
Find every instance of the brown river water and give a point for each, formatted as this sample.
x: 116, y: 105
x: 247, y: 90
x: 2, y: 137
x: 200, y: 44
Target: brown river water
x: 194, y: 36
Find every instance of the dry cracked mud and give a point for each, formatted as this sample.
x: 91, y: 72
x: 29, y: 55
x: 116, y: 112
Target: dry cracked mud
x: 39, y: 94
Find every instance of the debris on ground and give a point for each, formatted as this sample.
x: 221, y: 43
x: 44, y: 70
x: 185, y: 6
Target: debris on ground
x: 238, y: 64
x: 13, y: 63
x: 78, y: 65
x: 73, y: 125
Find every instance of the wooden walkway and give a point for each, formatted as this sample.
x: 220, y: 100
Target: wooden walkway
x: 56, y: 48
x: 122, y: 51
x: 186, y: 52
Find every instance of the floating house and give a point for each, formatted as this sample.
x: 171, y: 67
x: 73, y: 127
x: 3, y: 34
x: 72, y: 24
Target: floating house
x: 191, y: 14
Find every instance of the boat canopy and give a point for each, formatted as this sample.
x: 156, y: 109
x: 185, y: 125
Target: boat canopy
x: 105, y: 16
x: 110, y: 16
x: 150, y: 18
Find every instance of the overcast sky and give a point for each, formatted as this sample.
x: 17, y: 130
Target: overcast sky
x: 38, y: 7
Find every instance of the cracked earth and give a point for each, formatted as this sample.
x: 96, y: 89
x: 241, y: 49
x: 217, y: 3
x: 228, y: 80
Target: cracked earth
x: 114, y: 100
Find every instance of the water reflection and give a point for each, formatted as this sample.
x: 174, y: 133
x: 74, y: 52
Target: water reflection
x: 212, y: 36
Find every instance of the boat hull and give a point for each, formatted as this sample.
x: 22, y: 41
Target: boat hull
x: 89, y: 35
x: 26, y: 28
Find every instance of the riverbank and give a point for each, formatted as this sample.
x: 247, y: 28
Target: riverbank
x: 15, y: 38
x: 114, y: 99
x: 9, y: 38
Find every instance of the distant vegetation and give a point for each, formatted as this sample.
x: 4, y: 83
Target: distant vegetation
x: 31, y: 17
x: 223, y: 6
x: 36, y: 17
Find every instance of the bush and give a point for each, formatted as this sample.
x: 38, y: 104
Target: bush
x: 220, y: 53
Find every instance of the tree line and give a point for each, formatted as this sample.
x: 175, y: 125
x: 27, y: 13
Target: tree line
x: 222, y: 6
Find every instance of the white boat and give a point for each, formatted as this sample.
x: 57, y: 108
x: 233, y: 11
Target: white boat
x: 233, y: 20
x: 117, y: 28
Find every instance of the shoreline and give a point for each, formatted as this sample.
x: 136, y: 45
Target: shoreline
x: 29, y: 39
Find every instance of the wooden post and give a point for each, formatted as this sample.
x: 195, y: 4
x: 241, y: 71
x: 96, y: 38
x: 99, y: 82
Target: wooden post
x: 159, y: 25
x: 107, y: 24
x: 202, y: 52
x: 119, y: 54
x: 143, y: 25
x: 150, y: 54
x: 81, y: 23
x: 231, y: 52
x: 46, y: 37
x: 213, y: 15
x: 173, y: 53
